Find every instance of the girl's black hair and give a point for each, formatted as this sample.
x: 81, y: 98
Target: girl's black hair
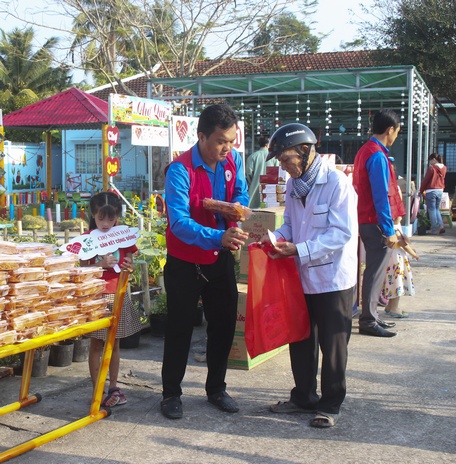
x: 435, y: 156
x: 105, y: 204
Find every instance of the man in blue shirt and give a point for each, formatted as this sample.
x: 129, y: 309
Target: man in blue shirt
x: 379, y: 204
x: 199, y: 261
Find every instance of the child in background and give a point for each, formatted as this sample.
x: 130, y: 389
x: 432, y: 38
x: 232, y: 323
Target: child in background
x: 106, y: 207
x: 399, y: 277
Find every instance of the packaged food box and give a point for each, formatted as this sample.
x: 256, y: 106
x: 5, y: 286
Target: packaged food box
x: 58, y: 277
x: 8, y: 248
x: 42, y: 305
x: 93, y: 305
x: 36, y: 247
x: 82, y: 274
x: 4, y: 277
x: 10, y: 262
x: 9, y: 315
x: 56, y: 326
x: 60, y: 291
x: 7, y: 338
x: 57, y: 263
x: 98, y: 314
x: 23, y: 288
x: 22, y: 301
x: 4, y: 290
x: 28, y: 320
x: 3, y: 326
x: 26, y: 334
x: 26, y: 274
x: 62, y: 312
x: 90, y: 287
x: 227, y: 209
x: 35, y: 259
x: 81, y: 318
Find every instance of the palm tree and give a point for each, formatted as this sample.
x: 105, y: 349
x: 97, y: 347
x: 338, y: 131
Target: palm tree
x: 26, y: 76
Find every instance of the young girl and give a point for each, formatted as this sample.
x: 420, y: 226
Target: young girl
x: 106, y: 208
x: 399, y: 277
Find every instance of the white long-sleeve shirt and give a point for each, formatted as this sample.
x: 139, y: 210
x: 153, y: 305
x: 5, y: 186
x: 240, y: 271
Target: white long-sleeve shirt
x: 325, y: 232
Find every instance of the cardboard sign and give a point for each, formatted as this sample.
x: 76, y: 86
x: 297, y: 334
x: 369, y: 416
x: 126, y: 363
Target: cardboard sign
x: 101, y: 243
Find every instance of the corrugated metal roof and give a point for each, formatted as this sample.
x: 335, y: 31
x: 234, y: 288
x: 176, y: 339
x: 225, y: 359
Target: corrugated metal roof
x: 254, y: 65
x: 70, y: 109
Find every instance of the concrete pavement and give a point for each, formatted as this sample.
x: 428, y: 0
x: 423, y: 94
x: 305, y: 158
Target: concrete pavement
x: 400, y: 406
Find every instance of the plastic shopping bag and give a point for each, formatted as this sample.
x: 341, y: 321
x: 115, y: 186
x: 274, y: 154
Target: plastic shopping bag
x: 276, y: 312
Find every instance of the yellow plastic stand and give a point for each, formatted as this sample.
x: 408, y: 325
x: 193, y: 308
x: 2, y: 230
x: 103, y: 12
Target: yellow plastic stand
x: 29, y: 346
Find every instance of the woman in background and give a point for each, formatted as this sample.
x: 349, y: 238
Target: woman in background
x: 433, y: 185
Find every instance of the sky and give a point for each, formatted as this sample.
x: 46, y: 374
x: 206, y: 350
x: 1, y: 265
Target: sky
x: 332, y: 16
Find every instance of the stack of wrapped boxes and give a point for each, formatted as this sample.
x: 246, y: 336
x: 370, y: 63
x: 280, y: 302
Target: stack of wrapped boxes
x: 273, y: 187
x: 41, y: 292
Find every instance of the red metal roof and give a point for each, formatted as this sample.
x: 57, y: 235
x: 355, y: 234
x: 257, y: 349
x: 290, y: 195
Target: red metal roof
x: 70, y: 109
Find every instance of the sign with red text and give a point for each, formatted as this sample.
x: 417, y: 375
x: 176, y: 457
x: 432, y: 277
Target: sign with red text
x: 99, y: 243
x: 135, y: 110
x: 113, y: 135
x: 112, y: 166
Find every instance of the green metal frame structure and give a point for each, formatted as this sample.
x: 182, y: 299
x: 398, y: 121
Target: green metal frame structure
x: 348, y: 97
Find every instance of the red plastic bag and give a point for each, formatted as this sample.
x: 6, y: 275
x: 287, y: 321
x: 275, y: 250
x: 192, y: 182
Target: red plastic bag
x: 276, y: 312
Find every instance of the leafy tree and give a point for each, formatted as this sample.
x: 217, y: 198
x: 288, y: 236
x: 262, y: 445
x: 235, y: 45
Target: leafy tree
x: 421, y: 33
x: 26, y: 75
x: 114, y: 38
x: 284, y: 36
x: 104, y: 39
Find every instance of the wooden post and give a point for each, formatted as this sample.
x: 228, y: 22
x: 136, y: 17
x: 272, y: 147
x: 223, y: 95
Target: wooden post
x: 67, y: 235
x: 145, y: 286
x: 105, y: 154
x: 48, y: 164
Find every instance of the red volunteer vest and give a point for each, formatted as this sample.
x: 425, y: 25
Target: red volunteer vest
x: 200, y: 188
x: 366, y: 208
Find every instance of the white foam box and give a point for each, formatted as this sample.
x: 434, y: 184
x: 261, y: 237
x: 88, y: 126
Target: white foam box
x: 269, y: 196
x: 256, y: 226
x: 239, y: 357
x: 268, y: 188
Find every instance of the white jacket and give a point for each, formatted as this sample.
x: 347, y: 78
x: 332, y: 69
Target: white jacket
x: 325, y: 232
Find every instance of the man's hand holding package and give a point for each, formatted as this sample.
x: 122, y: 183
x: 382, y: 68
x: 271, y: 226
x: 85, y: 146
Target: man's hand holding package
x: 390, y: 242
x: 233, y: 238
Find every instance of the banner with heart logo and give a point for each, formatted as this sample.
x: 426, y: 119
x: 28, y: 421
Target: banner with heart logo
x: 149, y: 136
x: 101, y: 243
x: 184, y: 134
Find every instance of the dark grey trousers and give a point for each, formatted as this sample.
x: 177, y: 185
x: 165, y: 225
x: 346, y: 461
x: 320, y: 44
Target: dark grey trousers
x: 377, y: 257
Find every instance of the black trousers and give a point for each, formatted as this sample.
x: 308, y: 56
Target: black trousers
x: 219, y: 295
x: 330, y: 317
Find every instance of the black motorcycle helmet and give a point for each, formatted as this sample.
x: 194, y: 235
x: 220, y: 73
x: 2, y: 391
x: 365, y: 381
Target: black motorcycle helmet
x: 290, y: 135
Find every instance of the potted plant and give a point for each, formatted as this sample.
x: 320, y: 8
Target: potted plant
x: 40, y: 361
x: 81, y: 348
x: 158, y: 315
x: 423, y: 222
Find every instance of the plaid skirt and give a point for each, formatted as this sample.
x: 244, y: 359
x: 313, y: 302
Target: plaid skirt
x: 129, y: 322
